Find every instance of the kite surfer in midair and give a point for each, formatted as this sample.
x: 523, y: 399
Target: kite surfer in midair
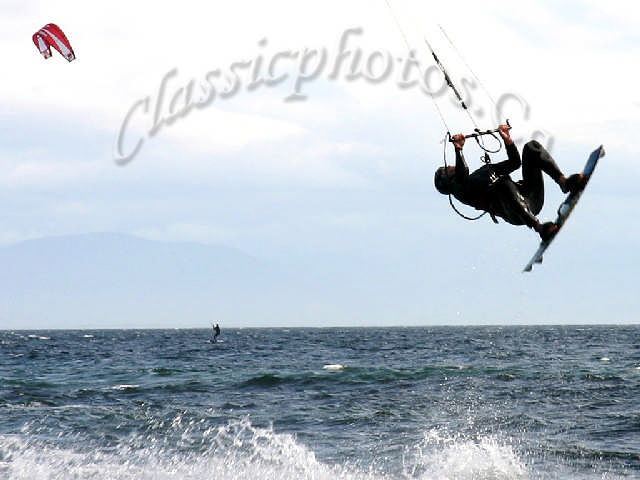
x: 491, y: 189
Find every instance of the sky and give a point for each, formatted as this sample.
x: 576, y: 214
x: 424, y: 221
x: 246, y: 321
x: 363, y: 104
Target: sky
x: 335, y: 181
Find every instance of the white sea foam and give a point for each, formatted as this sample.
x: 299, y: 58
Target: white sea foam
x: 234, y: 452
x: 125, y: 386
x: 442, y: 456
x: 334, y: 367
x: 38, y: 337
x: 241, y: 451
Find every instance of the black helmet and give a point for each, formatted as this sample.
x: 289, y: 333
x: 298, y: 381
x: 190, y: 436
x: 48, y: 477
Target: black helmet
x: 443, y: 182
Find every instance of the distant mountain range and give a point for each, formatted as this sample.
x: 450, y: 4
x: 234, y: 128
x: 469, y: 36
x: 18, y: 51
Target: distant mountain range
x: 117, y: 280
x: 106, y: 280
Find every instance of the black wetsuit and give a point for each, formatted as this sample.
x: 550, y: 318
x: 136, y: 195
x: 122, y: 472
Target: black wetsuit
x: 490, y: 188
x: 216, y: 330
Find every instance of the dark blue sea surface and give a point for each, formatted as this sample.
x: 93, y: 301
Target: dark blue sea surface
x: 400, y: 403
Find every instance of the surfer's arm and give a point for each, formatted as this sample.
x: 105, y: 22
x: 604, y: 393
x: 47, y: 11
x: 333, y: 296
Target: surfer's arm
x: 462, y: 170
x: 512, y: 163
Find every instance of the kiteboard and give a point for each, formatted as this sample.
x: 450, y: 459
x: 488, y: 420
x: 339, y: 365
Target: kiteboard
x: 566, y: 207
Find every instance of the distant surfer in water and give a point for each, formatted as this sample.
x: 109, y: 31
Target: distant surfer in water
x: 216, y: 332
x: 490, y: 188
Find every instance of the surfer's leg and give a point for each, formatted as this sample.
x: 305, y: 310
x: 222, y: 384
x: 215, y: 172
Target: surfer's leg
x: 513, y: 205
x: 535, y: 160
x: 535, y: 157
x: 515, y: 209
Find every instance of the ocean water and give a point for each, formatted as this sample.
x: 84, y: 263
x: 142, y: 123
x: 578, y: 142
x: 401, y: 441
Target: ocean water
x: 401, y: 403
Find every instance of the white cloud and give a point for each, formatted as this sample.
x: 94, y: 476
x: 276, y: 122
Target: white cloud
x: 216, y: 131
x: 561, y: 66
x: 52, y: 174
x: 346, y: 135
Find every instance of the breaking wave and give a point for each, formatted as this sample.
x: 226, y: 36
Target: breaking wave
x: 239, y: 450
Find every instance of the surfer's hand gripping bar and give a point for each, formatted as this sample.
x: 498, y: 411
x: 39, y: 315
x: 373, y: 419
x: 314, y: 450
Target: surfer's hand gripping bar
x: 480, y: 133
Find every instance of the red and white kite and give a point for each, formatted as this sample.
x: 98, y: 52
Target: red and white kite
x: 52, y: 36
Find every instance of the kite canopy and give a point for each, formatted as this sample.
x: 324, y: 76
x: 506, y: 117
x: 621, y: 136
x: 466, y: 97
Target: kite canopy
x: 52, y: 36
